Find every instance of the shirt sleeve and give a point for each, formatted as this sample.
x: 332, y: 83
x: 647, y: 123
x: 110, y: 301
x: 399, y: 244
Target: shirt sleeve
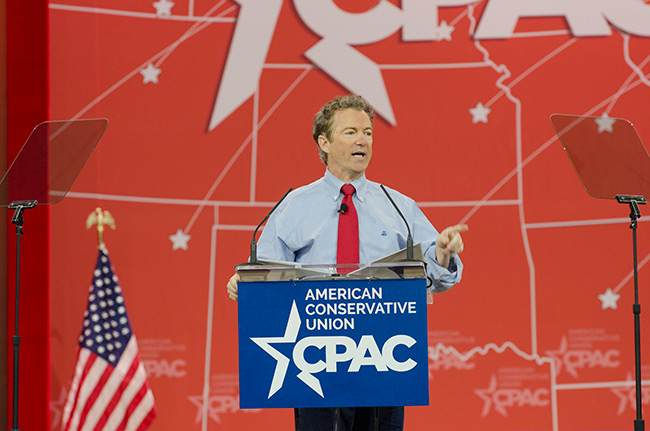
x: 441, y: 279
x: 271, y: 245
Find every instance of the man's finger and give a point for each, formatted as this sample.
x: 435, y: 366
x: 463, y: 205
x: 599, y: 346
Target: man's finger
x: 458, y: 228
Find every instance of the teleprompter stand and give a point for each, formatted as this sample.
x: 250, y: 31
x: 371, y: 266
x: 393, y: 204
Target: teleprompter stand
x: 41, y: 174
x: 635, y: 213
x: 612, y: 163
x: 19, y: 207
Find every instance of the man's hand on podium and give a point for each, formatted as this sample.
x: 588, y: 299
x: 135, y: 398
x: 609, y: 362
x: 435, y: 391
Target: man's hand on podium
x: 232, y: 286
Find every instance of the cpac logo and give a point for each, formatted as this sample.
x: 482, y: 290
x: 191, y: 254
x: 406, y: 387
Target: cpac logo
x: 627, y: 396
x: 502, y: 398
x: 337, y: 349
x: 418, y: 19
x: 217, y: 405
x: 440, y: 361
x: 575, y: 359
x: 163, y: 367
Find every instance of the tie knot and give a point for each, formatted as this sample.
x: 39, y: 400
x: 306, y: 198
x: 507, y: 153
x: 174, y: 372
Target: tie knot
x: 348, y: 189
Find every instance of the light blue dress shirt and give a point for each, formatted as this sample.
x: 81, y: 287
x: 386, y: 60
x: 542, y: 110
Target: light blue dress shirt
x: 304, y: 227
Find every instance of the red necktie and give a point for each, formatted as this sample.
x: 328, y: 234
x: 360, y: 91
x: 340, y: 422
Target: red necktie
x: 347, y: 249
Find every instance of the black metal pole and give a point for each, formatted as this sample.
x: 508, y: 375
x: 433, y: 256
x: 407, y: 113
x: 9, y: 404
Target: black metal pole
x: 635, y: 213
x: 17, y: 219
x: 636, y: 309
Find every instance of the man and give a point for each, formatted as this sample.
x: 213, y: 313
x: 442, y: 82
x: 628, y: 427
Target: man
x: 305, y: 228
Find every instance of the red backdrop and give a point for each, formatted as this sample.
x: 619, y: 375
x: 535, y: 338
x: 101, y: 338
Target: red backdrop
x: 210, y: 106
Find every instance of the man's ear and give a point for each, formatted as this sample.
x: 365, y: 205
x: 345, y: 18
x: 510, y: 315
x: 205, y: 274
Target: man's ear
x: 323, y: 143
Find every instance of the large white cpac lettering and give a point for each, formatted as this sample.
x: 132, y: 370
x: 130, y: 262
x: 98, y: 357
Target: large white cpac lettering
x: 421, y: 17
x: 366, y: 353
x: 356, y: 72
x: 250, y: 44
x: 632, y: 16
x: 333, y: 54
x: 418, y: 20
x: 585, y: 17
x: 324, y: 18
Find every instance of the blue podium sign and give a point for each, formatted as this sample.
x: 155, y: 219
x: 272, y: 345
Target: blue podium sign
x: 333, y: 343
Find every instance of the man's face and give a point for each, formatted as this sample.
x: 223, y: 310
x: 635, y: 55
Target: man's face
x: 349, y: 151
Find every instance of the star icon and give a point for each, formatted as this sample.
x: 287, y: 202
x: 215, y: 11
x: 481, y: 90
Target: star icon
x: 625, y: 394
x: 479, y: 113
x: 558, y: 358
x: 290, y: 335
x: 197, y: 400
x: 443, y: 31
x: 150, y: 74
x: 605, y: 123
x: 179, y: 240
x: 163, y: 8
x: 487, y: 395
x: 609, y: 299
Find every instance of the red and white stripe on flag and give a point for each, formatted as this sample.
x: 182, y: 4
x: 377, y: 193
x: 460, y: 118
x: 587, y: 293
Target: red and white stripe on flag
x: 103, y: 397
x: 109, y: 390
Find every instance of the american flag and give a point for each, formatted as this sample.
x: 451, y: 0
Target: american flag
x: 109, y: 388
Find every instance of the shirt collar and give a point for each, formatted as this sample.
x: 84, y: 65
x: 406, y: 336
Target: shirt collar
x: 334, y: 185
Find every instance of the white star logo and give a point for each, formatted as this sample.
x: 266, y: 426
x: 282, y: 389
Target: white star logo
x: 443, y: 31
x: 486, y: 395
x: 605, y: 123
x: 290, y: 335
x: 609, y: 299
x: 179, y: 240
x: 625, y: 395
x: 163, y: 8
x: 479, y: 113
x: 558, y: 357
x: 150, y: 74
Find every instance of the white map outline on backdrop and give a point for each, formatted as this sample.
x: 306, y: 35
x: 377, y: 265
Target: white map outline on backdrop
x: 151, y: 68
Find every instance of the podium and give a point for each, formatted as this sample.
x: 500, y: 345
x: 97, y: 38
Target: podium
x: 322, y: 336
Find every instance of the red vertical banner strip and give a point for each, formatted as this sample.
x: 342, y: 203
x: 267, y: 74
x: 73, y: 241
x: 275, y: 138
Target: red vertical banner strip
x: 27, y: 106
x: 3, y: 215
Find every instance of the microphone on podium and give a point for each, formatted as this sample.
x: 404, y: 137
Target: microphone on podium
x: 409, y: 238
x: 253, y: 259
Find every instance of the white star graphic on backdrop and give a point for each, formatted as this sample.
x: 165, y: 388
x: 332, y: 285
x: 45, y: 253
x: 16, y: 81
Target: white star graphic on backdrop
x: 626, y: 395
x: 443, y: 31
x: 479, y: 113
x: 290, y: 335
x: 163, y: 8
x: 179, y: 240
x: 605, y: 123
x: 558, y: 357
x: 609, y: 299
x: 150, y: 74
x: 197, y: 400
x: 487, y: 395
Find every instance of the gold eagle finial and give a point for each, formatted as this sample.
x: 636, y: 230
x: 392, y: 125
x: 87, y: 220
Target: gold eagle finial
x: 101, y: 219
